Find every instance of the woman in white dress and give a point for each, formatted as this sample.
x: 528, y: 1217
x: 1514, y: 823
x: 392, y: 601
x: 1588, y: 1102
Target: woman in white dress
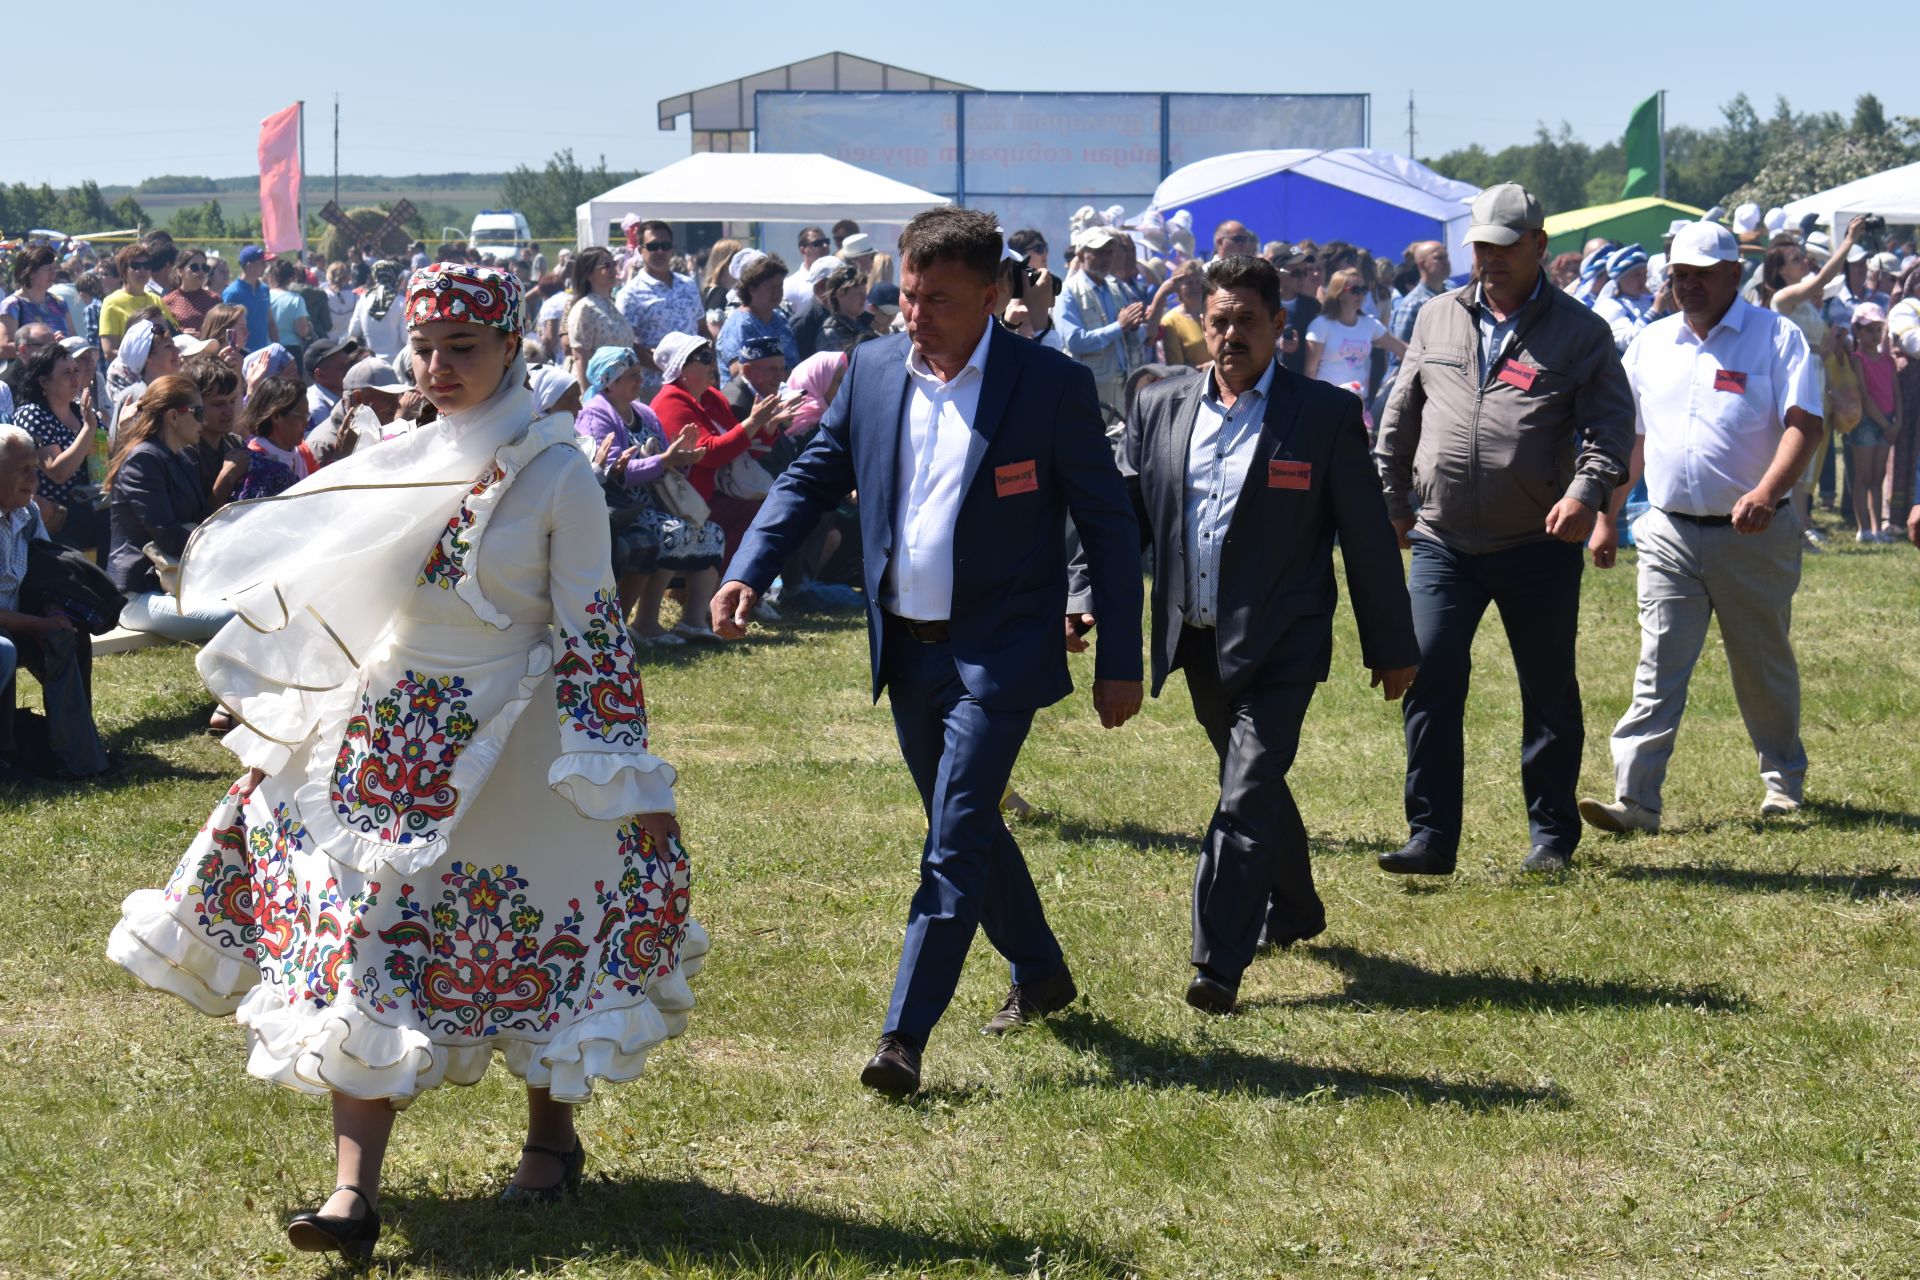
x: 452, y: 839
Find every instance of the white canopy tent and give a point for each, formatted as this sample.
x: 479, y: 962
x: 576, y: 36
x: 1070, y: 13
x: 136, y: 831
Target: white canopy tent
x: 1894, y: 194
x: 1375, y: 199
x: 714, y: 186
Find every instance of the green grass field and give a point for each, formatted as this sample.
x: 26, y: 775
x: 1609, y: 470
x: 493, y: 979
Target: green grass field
x: 1697, y: 1056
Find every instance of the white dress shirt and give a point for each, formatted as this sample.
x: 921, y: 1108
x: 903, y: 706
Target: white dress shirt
x: 930, y: 472
x: 1218, y: 459
x: 1712, y: 410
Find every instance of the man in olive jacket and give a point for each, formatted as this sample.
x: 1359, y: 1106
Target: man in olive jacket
x: 1507, y: 429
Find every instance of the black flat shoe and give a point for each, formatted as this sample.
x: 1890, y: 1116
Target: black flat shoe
x: 894, y: 1069
x: 314, y: 1232
x: 1415, y: 858
x: 571, y: 1164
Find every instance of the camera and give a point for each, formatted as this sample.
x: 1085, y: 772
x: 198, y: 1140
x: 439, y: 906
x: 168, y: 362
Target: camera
x: 1873, y: 230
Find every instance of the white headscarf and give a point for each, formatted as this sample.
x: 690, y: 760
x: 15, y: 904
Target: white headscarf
x: 548, y: 383
x: 672, y: 352
x: 135, y: 346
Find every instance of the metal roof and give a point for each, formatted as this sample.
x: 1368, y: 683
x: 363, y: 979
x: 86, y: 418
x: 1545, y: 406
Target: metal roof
x: 729, y: 106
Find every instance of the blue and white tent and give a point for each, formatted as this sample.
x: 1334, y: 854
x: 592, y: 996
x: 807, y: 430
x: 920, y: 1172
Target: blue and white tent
x: 1372, y: 199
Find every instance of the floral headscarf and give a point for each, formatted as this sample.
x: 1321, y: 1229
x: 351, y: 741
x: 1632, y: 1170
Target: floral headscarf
x: 466, y: 295
x: 607, y: 364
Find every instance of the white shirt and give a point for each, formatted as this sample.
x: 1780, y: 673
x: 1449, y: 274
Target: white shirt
x: 1712, y: 410
x: 1218, y: 459
x: 1346, y: 350
x: 930, y: 471
x: 798, y: 290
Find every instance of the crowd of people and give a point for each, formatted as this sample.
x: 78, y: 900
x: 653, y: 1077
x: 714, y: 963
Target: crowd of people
x: 642, y: 422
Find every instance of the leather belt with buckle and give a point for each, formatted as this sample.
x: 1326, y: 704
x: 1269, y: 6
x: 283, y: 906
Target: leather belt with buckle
x: 1715, y: 522
x: 936, y: 632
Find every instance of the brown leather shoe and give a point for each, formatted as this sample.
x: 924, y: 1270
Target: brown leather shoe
x: 894, y: 1068
x: 1030, y: 1001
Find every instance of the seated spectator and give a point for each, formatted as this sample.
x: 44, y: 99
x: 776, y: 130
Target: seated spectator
x: 651, y: 545
x: 220, y: 456
x: 146, y: 353
x: 58, y: 654
x: 759, y: 314
x: 690, y: 398
x: 157, y: 501
x: 31, y: 300
x: 270, y: 361
x: 847, y: 317
x: 377, y: 325
x: 273, y: 423
x: 813, y: 310
x: 717, y: 284
x: 327, y: 362
x: 373, y: 385
x: 291, y: 318
x: 593, y: 319
x: 57, y: 411
x: 226, y: 327
x: 190, y: 303
x: 87, y: 356
x: 817, y: 380
x: 763, y: 367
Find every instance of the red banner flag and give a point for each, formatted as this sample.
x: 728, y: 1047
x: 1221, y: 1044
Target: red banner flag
x: 280, y: 181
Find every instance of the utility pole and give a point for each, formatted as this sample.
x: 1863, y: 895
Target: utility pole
x: 336, y: 147
x: 1410, y: 154
x: 1663, y: 144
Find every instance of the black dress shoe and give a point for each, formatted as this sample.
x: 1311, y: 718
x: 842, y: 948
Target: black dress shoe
x: 572, y: 1164
x: 1209, y: 994
x: 1547, y: 860
x: 1416, y: 858
x: 1030, y: 1001
x: 894, y: 1068
x: 1268, y: 942
x: 314, y: 1232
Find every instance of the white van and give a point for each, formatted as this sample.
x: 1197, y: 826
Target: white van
x: 499, y: 233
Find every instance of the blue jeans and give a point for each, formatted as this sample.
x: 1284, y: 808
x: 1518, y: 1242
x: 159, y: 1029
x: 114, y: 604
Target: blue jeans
x: 972, y: 875
x: 1536, y: 587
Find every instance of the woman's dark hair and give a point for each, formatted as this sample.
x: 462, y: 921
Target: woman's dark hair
x: 92, y: 285
x: 842, y: 279
x: 1773, y: 270
x: 1244, y: 271
x: 580, y: 275
x: 145, y: 416
x: 768, y: 268
x: 970, y: 237
x: 844, y: 228
x: 284, y: 271
x: 1023, y: 241
x: 273, y: 397
x: 28, y: 262
x: 214, y: 376
x: 1405, y: 276
x: 40, y: 367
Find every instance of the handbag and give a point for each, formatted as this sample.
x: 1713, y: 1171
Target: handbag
x: 743, y: 478
x: 676, y: 494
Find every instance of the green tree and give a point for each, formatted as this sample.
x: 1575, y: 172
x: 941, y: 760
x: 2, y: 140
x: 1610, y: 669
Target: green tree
x: 199, y: 222
x: 1869, y: 117
x: 175, y: 184
x: 549, y: 197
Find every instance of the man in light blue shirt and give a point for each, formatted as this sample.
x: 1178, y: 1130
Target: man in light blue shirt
x: 1093, y: 317
x: 1218, y: 458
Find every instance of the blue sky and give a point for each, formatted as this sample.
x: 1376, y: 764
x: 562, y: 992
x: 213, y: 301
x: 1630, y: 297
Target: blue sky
x: 435, y: 89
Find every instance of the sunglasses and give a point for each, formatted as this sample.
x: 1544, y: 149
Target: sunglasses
x: 703, y: 356
x: 199, y: 411
x: 193, y: 266
x: 140, y: 264
x: 659, y: 246
x: 815, y: 244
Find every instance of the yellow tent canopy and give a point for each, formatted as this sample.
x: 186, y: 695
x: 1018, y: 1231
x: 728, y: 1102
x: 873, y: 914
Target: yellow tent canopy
x: 1643, y: 219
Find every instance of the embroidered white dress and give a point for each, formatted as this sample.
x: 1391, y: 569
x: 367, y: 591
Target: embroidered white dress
x: 444, y: 863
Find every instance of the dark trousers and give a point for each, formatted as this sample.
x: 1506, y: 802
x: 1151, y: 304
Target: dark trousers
x: 63, y: 663
x: 972, y: 876
x: 1536, y: 587
x: 1254, y: 869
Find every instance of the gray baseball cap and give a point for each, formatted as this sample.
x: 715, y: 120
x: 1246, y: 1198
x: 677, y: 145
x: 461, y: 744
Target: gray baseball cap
x: 1502, y: 214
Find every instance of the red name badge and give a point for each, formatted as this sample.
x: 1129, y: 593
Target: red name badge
x: 1515, y: 374
x: 1730, y: 380
x: 1015, y: 477
x: 1289, y: 475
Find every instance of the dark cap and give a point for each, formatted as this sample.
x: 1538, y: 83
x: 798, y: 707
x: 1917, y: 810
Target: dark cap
x: 1502, y: 214
x: 760, y: 349
x: 316, y: 352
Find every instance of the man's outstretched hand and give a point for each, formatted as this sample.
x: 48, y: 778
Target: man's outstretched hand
x: 732, y: 606
x: 1392, y: 682
x: 1117, y: 701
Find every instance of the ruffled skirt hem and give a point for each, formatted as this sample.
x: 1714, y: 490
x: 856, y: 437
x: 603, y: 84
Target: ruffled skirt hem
x: 344, y: 1048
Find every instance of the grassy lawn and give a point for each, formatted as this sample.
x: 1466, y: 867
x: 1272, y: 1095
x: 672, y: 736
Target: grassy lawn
x: 1697, y: 1056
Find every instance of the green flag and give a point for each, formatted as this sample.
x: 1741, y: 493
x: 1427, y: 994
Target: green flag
x: 1643, y: 150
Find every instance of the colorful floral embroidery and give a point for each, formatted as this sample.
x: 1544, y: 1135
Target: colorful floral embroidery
x: 447, y: 562
x: 596, y: 683
x: 305, y: 932
x: 473, y: 962
x: 393, y: 776
x: 644, y: 914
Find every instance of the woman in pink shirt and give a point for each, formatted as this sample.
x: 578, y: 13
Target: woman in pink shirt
x: 1869, y: 443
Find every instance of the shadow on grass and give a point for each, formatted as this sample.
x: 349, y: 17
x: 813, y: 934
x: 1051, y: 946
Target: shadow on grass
x: 1166, y: 1064
x: 1383, y: 981
x: 1145, y: 838
x: 1844, y: 816
x: 1851, y: 884
x: 676, y: 1224
x: 162, y: 726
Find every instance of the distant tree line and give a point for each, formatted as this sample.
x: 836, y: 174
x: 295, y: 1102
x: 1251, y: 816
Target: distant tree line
x: 1770, y: 162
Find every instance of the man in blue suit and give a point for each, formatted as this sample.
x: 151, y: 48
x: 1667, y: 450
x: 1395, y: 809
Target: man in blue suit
x: 969, y: 446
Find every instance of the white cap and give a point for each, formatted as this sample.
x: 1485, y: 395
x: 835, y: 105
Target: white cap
x: 1703, y: 244
x: 188, y: 345
x: 1818, y: 246
x: 1858, y: 253
x: 1775, y: 221
x: 1746, y: 218
x: 1885, y: 263
x: 1678, y: 225
x: 822, y: 268
x: 1094, y: 237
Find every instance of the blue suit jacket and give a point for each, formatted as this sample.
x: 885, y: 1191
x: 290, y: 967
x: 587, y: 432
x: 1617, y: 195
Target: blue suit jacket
x: 1037, y: 409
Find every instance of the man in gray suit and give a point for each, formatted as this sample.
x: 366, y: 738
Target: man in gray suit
x: 1242, y: 477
